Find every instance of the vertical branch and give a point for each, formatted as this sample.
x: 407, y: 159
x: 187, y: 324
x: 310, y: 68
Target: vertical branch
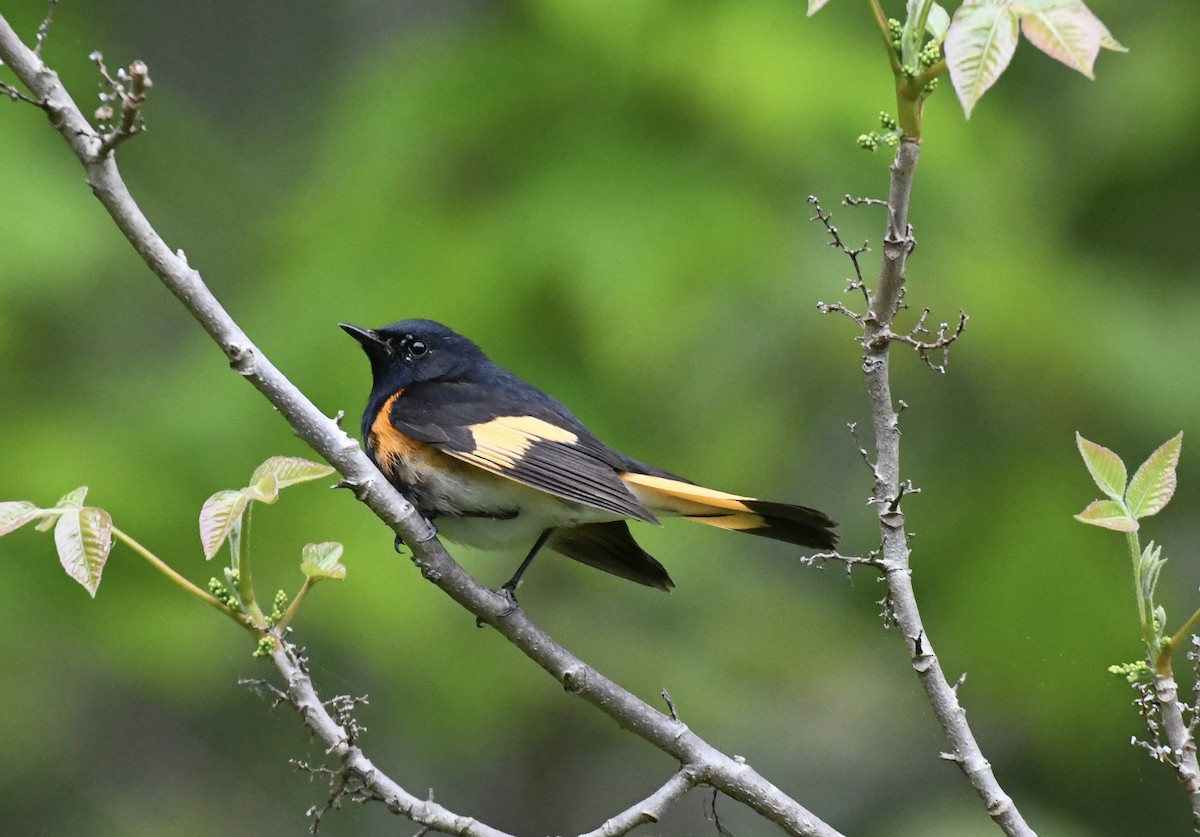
x: 1180, y: 753
x: 889, y: 491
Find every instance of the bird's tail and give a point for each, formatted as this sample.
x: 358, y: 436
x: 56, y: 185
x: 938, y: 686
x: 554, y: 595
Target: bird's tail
x: 785, y: 522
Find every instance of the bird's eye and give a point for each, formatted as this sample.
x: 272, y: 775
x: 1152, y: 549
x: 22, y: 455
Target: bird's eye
x: 416, y: 348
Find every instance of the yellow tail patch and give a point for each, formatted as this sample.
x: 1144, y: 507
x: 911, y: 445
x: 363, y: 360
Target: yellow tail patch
x: 685, y: 499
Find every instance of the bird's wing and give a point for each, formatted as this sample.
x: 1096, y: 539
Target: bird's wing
x: 517, y: 432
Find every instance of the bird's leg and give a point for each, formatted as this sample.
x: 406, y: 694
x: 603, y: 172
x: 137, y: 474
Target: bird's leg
x: 510, y: 586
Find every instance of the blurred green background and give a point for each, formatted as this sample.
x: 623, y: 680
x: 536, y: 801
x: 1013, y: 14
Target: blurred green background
x: 610, y: 198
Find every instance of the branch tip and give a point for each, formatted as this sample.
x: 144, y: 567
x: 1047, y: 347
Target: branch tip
x: 43, y: 30
x: 666, y: 696
x: 128, y: 90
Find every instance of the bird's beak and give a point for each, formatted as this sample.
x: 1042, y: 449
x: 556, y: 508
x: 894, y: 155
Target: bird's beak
x: 366, y: 336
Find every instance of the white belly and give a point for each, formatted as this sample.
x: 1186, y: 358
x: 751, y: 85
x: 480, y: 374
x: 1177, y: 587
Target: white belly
x: 472, y: 498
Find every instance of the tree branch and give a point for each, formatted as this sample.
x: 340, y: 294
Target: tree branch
x: 650, y: 809
x: 901, y: 605
x: 730, y: 775
x: 1181, y: 753
x: 340, y: 743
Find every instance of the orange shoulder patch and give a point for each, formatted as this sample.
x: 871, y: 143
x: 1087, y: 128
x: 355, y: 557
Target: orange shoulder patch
x: 391, y: 447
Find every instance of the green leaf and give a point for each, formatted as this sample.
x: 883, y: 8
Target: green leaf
x: 938, y: 23
x: 814, y: 6
x: 1153, y: 483
x: 266, y: 490
x: 83, y: 538
x: 73, y: 499
x: 1160, y: 620
x: 289, y: 470
x: 1108, y: 514
x: 979, y: 44
x: 16, y: 513
x: 220, y: 514
x: 1106, y: 467
x: 1107, y: 41
x: 70, y: 500
x: 323, y: 560
x: 1065, y: 30
x: 1149, y: 566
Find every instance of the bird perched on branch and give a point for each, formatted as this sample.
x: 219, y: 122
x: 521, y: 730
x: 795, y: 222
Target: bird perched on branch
x: 495, y: 462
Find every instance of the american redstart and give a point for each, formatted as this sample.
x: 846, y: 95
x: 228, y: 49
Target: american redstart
x: 496, y: 462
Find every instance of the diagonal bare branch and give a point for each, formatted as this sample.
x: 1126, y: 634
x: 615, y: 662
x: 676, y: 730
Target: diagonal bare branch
x: 340, y: 744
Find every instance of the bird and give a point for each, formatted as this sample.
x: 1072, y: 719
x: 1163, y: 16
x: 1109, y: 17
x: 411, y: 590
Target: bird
x: 494, y: 462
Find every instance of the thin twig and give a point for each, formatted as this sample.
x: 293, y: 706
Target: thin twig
x: 945, y: 339
x: 849, y: 200
x: 131, y: 100
x: 862, y: 451
x: 17, y: 96
x: 835, y: 240
x: 819, y: 558
x: 43, y: 30
x: 352, y: 761
x: 170, y: 572
x: 650, y: 809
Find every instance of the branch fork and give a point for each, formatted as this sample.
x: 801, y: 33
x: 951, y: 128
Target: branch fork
x: 127, y: 90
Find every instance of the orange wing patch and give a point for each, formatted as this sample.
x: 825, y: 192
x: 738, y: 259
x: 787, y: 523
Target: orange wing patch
x: 392, y: 447
x: 501, y: 442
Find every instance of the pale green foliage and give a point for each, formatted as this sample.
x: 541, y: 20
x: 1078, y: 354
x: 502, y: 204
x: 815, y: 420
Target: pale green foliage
x: 15, y: 514
x: 981, y: 37
x: 83, y: 535
x: 1145, y: 494
x: 323, y: 560
x: 1106, y: 467
x: 83, y: 538
x: 218, y: 516
x: 1153, y: 485
x: 1150, y: 489
x: 222, y: 513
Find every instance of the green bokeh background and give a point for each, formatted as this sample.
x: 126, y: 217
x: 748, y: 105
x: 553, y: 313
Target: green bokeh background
x: 610, y: 198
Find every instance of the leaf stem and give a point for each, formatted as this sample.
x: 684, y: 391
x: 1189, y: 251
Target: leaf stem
x: 1135, y: 552
x: 881, y: 21
x: 164, y: 568
x: 921, y: 79
x: 1162, y: 663
x: 914, y: 34
x: 294, y: 606
x: 239, y: 545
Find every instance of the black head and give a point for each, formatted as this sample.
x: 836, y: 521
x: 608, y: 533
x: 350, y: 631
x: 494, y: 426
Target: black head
x: 412, y: 351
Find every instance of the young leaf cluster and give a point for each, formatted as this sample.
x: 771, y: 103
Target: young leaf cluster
x: 978, y: 43
x: 1127, y: 501
x: 1150, y: 490
x: 225, y: 519
x: 84, y: 535
x: 983, y: 37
